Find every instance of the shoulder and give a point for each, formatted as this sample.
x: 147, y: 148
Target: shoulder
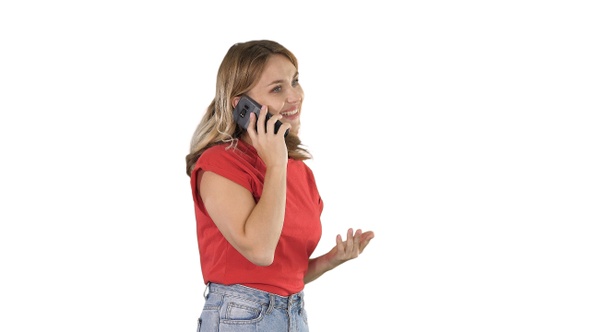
x: 226, y: 159
x: 215, y: 151
x: 239, y: 163
x: 229, y: 152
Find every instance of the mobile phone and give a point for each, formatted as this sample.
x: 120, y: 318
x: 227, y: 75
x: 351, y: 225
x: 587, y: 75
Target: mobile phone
x: 247, y: 105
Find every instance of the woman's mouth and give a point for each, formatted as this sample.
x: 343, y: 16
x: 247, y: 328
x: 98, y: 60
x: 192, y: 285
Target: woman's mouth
x: 290, y: 114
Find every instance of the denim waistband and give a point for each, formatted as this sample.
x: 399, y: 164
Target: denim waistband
x: 256, y: 295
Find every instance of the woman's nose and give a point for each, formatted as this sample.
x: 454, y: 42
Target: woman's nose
x: 295, y: 96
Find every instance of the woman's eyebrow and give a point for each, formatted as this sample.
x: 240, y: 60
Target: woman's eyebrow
x: 276, y: 82
x: 282, y: 80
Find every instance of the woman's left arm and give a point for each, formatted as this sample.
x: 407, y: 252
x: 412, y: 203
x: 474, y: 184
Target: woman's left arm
x: 343, y: 251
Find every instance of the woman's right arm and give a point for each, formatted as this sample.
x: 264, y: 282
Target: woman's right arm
x: 251, y: 228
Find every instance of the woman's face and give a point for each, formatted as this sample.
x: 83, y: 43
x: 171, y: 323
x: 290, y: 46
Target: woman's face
x: 279, y: 89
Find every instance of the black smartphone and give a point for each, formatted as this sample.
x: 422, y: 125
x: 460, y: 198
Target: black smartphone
x: 247, y: 105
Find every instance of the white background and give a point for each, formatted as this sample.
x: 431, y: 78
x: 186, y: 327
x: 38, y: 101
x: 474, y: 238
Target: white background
x: 458, y: 131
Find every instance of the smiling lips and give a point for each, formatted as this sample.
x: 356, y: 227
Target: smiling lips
x: 290, y: 113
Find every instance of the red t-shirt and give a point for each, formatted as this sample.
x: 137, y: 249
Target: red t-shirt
x: 220, y: 262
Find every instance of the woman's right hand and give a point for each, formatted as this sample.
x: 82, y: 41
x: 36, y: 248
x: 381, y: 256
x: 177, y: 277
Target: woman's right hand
x: 270, y: 146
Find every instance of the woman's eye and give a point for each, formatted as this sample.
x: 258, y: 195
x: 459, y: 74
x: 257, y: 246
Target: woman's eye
x: 277, y: 89
x: 295, y: 82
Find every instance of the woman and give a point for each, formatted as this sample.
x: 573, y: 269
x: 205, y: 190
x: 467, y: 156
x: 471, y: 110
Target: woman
x: 256, y: 203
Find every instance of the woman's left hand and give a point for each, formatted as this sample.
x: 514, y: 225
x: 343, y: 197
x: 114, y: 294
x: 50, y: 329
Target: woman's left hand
x: 344, y: 251
x: 353, y: 246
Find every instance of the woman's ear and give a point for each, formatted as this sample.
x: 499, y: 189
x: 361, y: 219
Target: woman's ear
x: 234, y: 101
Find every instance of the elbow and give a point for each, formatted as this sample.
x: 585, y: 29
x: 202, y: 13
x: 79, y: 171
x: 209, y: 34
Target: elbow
x: 261, y: 257
x: 260, y: 254
x: 263, y: 263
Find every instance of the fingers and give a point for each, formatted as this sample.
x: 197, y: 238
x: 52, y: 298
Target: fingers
x: 348, y: 249
x: 339, y: 243
x: 256, y: 125
x: 283, y: 128
x: 252, y: 125
x: 349, y: 241
x: 260, y: 125
x: 356, y: 242
x: 271, y: 124
x: 262, y: 119
x: 357, y: 238
x: 365, y: 239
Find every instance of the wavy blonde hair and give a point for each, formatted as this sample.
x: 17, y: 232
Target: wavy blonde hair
x: 239, y: 71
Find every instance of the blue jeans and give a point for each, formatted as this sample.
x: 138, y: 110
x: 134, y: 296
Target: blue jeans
x: 240, y: 308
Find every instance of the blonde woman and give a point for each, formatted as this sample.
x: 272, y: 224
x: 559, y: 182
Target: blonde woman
x: 256, y: 203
